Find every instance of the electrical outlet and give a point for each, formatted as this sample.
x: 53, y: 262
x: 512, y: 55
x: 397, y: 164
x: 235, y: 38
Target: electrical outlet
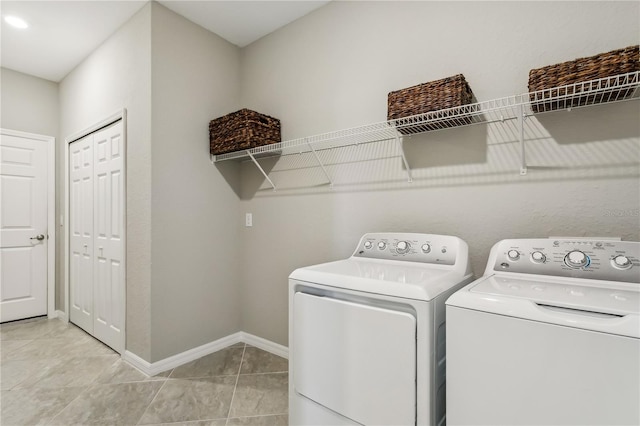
x: 248, y: 220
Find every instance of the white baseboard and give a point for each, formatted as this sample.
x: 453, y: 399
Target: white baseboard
x: 264, y: 344
x: 151, y: 369
x: 58, y: 314
x: 137, y: 362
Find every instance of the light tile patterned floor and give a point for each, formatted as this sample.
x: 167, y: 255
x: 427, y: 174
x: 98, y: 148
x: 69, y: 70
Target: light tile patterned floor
x: 52, y: 373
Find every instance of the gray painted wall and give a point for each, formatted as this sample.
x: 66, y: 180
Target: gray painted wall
x: 333, y: 68
x: 194, y: 211
x: 30, y: 104
x: 182, y: 212
x: 118, y: 75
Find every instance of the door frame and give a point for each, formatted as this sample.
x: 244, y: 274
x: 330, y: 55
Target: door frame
x: 51, y: 212
x: 120, y: 115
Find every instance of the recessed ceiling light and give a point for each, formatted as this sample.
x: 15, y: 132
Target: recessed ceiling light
x: 16, y: 22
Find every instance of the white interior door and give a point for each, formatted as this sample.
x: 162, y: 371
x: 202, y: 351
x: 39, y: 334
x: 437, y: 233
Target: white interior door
x: 108, y: 219
x: 23, y: 227
x: 354, y: 359
x: 81, y: 236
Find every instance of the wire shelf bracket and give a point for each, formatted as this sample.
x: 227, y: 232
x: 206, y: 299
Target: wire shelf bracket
x: 253, y: 158
x: 400, y: 141
x: 324, y: 170
x: 523, y: 157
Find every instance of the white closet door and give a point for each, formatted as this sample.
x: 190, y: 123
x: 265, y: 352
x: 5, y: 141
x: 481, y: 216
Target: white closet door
x: 96, y: 217
x: 108, y: 219
x: 81, y: 159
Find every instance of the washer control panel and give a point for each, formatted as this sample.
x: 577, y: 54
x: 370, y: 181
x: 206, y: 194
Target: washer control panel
x: 571, y: 257
x: 426, y: 248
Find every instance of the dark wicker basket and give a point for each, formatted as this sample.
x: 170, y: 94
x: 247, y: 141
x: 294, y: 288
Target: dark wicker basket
x: 604, y: 65
x: 242, y: 129
x: 432, y: 96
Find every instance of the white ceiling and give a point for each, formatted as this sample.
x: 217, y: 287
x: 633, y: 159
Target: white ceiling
x: 242, y: 22
x: 62, y: 33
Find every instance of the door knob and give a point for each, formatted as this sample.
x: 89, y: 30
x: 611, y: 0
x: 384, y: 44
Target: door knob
x: 38, y: 237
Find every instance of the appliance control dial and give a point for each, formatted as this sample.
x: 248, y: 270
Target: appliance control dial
x: 513, y: 255
x: 426, y: 248
x: 403, y: 247
x: 368, y: 245
x: 621, y: 262
x: 382, y: 245
x: 538, y: 257
x: 576, y: 259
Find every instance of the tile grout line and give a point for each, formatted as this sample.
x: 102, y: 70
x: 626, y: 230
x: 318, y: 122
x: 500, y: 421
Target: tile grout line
x: 236, y: 385
x: 152, y: 400
x: 260, y: 415
x: 95, y: 379
x: 187, y: 422
x: 59, y: 363
x: 264, y: 374
x: 198, y: 377
x: 86, y: 388
x: 24, y: 379
x: 50, y: 421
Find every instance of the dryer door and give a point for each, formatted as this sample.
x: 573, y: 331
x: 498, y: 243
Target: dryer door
x: 355, y: 359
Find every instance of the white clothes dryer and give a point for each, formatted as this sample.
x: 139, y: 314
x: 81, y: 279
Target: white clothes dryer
x: 550, y: 335
x: 367, y: 334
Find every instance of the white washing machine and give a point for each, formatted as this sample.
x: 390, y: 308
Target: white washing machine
x: 550, y: 335
x: 367, y: 335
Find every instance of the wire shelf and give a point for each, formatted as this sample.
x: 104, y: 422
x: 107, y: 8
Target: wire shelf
x: 604, y: 90
x: 508, y: 112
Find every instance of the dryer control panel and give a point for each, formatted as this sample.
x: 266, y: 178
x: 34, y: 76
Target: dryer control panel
x: 592, y: 258
x: 412, y: 247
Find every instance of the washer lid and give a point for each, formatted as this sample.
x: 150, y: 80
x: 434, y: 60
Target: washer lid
x: 393, y: 278
x: 592, y: 305
x: 617, y: 301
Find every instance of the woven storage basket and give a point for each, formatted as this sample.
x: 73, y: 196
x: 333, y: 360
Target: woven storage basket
x: 242, y: 129
x: 432, y: 96
x: 604, y: 65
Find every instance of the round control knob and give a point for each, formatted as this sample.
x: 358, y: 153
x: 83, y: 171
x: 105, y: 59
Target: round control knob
x: 513, y: 255
x: 368, y: 245
x: 402, y: 247
x: 621, y: 262
x: 426, y: 248
x: 382, y: 245
x: 538, y: 257
x: 576, y: 259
